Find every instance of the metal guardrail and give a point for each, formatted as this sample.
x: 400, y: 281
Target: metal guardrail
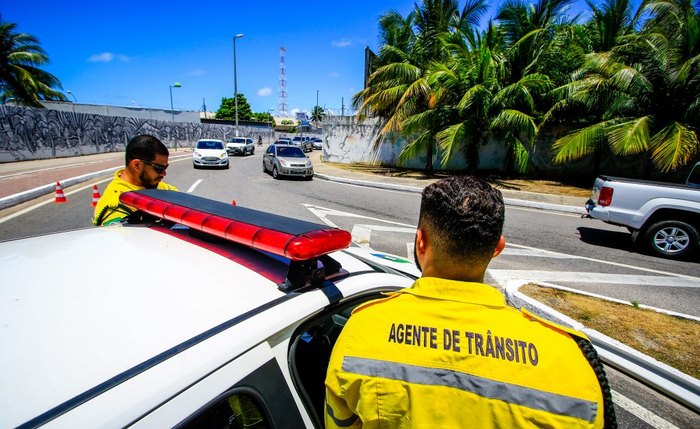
x: 676, y: 385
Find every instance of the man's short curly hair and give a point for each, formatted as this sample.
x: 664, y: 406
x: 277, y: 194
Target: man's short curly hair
x: 464, y: 218
x: 145, y: 147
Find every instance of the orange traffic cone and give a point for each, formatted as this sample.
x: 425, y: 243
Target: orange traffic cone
x: 60, y: 198
x: 95, y: 195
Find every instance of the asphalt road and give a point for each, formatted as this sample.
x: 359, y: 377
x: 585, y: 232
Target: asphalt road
x: 543, y: 246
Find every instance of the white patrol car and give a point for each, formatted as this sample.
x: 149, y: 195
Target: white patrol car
x: 201, y: 315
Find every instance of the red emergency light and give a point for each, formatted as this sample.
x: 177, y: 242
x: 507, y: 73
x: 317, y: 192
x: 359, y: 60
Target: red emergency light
x: 291, y: 238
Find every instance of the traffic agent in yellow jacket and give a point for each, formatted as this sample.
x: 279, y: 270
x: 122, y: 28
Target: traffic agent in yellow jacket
x: 450, y: 354
x: 109, y: 210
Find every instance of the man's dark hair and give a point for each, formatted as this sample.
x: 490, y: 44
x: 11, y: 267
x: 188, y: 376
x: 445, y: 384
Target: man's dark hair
x: 464, y: 217
x: 145, y: 147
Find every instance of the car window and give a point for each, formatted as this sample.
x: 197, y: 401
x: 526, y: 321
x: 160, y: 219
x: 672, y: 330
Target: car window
x: 310, y: 352
x: 209, y: 144
x: 270, y: 149
x: 290, y: 152
x: 237, y: 410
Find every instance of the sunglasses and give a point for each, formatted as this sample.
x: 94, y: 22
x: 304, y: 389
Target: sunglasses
x: 158, y: 167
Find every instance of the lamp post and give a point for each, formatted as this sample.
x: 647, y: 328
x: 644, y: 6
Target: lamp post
x: 235, y: 80
x: 172, y: 111
x: 72, y: 95
x: 272, y: 128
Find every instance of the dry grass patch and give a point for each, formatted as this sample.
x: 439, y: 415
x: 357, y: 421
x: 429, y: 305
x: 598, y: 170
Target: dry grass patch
x: 671, y: 340
x: 540, y: 186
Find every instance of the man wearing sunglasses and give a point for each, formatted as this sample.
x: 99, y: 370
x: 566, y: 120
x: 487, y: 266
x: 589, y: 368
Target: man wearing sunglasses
x: 146, y: 165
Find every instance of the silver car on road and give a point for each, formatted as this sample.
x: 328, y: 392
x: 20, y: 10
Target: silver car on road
x: 287, y: 160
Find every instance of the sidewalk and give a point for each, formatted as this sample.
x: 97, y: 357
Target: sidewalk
x: 25, y: 180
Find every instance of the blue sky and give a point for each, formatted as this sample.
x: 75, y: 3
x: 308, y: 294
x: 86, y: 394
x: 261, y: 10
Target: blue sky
x: 129, y: 53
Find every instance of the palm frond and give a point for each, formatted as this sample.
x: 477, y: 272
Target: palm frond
x: 673, y: 147
x: 579, y: 143
x: 515, y: 122
x: 630, y: 137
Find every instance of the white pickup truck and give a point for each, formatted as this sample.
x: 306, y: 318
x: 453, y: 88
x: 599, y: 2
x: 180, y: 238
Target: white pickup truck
x: 662, y: 217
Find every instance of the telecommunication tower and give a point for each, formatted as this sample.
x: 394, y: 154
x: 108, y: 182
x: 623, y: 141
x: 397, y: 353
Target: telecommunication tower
x: 282, y: 106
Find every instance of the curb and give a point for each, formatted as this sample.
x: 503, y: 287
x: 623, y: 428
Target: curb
x: 508, y: 201
x: 21, y: 197
x: 675, y: 384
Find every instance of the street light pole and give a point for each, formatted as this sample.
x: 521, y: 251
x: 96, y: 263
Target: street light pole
x: 172, y: 110
x: 235, y: 80
x: 72, y: 95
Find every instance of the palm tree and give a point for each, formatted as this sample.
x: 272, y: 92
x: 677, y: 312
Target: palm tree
x: 398, y: 89
x: 529, y: 30
x: 478, y: 104
x: 21, y: 79
x: 645, y: 92
x: 317, y: 114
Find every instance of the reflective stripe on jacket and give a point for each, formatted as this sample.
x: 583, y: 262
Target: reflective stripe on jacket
x: 108, y: 209
x: 451, y: 354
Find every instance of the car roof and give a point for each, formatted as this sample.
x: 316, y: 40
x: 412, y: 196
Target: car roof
x: 209, y: 140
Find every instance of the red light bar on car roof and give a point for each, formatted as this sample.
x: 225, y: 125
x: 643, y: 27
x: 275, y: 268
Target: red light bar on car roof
x: 292, y: 238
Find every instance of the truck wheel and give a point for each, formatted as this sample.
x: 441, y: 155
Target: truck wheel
x: 671, y: 239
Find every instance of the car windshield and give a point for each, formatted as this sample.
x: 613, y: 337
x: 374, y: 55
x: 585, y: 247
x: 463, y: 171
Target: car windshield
x: 209, y: 144
x: 237, y: 140
x: 290, y: 152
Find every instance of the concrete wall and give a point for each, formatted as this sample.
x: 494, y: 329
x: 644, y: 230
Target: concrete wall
x: 348, y: 141
x: 27, y: 133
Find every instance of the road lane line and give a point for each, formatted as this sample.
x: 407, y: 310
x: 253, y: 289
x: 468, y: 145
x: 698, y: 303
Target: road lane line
x: 588, y: 277
x: 640, y: 412
x: 194, y: 186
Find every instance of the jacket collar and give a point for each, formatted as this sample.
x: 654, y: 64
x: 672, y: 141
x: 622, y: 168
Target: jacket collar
x: 469, y: 292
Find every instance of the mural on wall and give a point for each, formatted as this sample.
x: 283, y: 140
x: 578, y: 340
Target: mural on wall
x: 29, y: 133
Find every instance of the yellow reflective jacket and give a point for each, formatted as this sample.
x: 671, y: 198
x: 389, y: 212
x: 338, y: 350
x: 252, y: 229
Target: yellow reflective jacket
x: 448, y: 354
x: 108, y: 209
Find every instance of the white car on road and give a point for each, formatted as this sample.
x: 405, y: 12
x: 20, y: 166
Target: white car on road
x: 205, y: 315
x: 240, y: 146
x: 209, y: 153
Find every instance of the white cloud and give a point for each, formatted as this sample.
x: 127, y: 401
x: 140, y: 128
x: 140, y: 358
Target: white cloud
x: 108, y: 57
x: 265, y: 92
x: 196, y: 72
x: 334, y: 74
x: 342, y: 43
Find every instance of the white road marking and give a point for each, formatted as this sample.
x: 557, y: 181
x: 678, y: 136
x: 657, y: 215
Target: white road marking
x: 362, y: 233
x: 535, y: 253
x: 640, y: 412
x: 552, y: 212
x: 194, y: 186
x: 600, y: 261
x: 502, y: 276
x: 323, y: 212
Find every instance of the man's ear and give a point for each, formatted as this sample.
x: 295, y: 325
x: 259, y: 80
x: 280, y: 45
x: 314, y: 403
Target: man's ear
x: 134, y: 164
x: 500, y: 246
x: 421, y: 241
